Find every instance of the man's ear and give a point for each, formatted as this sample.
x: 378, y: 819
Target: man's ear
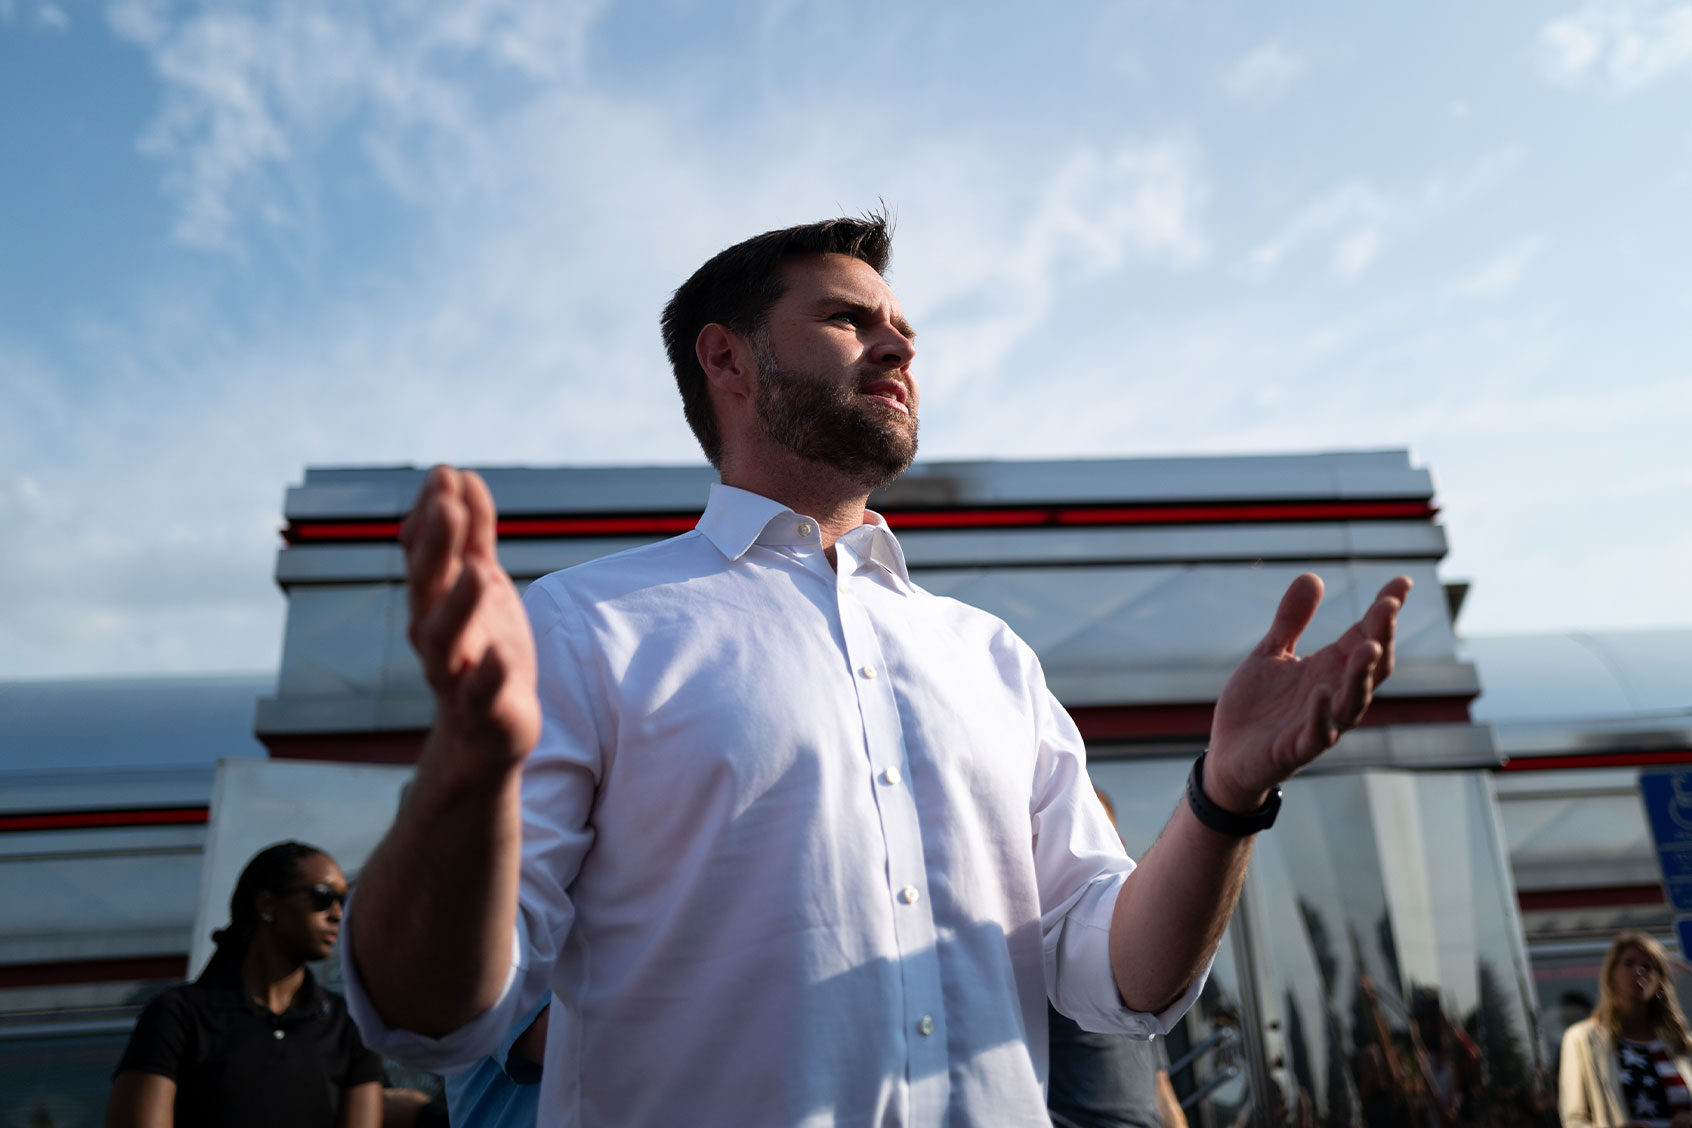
x: 265, y: 903
x: 728, y: 361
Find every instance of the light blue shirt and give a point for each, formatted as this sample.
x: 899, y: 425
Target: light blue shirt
x: 801, y: 845
x: 501, y: 1090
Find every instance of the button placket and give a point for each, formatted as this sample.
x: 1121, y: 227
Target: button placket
x: 913, y: 922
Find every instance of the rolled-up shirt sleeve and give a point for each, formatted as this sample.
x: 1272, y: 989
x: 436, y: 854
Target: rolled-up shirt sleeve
x: 560, y: 779
x: 1081, y: 866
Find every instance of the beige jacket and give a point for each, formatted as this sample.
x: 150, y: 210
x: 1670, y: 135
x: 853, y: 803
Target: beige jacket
x: 1588, y: 1092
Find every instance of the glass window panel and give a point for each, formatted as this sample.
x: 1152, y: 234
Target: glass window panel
x: 58, y: 1081
x: 1385, y: 947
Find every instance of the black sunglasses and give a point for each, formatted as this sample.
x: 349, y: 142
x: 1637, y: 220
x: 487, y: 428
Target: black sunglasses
x: 322, y: 896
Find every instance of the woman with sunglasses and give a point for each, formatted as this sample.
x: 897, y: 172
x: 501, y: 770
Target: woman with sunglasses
x: 255, y: 1041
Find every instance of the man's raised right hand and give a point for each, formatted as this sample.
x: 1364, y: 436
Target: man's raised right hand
x: 467, y: 623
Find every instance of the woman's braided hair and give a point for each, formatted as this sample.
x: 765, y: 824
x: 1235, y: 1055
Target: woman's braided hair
x: 272, y: 870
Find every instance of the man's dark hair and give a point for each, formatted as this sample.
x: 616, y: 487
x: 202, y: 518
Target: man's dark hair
x: 736, y: 288
x: 271, y: 870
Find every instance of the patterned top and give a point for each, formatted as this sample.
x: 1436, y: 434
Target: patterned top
x: 1652, y: 1088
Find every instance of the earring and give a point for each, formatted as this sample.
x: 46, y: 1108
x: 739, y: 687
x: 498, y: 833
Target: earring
x: 265, y: 917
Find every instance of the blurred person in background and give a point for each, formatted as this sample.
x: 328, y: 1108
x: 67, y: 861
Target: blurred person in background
x: 1628, y: 1064
x: 1448, y: 1060
x: 1107, y: 1080
x: 254, y: 1041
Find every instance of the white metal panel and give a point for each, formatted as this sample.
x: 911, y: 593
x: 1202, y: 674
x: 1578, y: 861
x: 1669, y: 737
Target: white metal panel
x: 341, y: 808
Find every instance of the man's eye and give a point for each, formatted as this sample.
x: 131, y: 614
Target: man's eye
x: 845, y: 315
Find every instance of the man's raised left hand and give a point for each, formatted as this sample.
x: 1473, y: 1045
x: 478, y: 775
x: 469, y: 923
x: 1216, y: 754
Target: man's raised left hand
x: 1278, y: 711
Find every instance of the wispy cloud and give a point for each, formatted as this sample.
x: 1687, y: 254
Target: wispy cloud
x: 1352, y: 225
x: 1617, y: 46
x: 248, y: 96
x: 48, y: 16
x: 1263, y: 73
x: 1499, y: 274
x: 1350, y: 221
x: 1096, y: 213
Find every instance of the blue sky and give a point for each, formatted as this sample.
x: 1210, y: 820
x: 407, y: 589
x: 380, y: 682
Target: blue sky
x: 238, y: 239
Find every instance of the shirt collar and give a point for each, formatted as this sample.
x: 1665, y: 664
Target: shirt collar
x: 873, y: 542
x: 736, y: 519
x: 224, y: 981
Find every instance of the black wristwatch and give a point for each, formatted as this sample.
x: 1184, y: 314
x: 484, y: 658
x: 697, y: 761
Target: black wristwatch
x: 1224, y: 821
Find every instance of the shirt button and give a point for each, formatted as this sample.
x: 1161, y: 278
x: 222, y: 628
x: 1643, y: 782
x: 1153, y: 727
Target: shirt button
x: 910, y: 894
x: 277, y: 1034
x: 805, y: 528
x: 869, y: 672
x: 925, y: 1026
x: 891, y: 776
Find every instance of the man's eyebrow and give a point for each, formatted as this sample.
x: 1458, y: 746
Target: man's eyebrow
x: 854, y: 305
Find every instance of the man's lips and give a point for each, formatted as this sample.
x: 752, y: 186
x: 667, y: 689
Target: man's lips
x: 891, y: 392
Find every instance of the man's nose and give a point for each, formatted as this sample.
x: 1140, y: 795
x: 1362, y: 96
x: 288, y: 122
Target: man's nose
x: 892, y: 348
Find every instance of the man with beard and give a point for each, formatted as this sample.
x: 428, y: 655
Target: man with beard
x: 791, y: 840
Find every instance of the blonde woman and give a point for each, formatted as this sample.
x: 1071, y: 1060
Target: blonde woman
x: 1628, y: 1066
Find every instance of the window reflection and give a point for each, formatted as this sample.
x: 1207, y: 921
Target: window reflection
x: 1389, y: 981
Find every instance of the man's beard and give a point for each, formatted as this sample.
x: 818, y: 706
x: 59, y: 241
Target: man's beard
x: 827, y: 423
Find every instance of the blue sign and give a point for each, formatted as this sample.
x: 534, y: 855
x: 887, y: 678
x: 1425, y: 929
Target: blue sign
x: 1683, y: 930
x: 1668, y: 808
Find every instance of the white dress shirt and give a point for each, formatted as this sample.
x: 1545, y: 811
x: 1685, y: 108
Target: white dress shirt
x: 801, y: 845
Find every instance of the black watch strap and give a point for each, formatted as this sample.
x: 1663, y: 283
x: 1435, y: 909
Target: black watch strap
x: 1225, y: 821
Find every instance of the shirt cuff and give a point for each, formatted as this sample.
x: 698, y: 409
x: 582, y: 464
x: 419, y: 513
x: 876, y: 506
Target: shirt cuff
x: 450, y: 1052
x: 1078, y: 967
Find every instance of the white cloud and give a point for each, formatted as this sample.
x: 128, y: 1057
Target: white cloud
x: 1499, y: 274
x: 1352, y: 225
x: 1097, y: 209
x: 49, y: 16
x: 1263, y: 73
x: 1354, y: 216
x: 1093, y: 215
x: 1619, y: 46
x: 248, y: 97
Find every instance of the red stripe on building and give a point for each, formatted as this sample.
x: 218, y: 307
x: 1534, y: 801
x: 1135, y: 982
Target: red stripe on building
x: 1033, y: 516
x: 1248, y: 512
x: 341, y: 531
x: 1588, y: 897
x: 61, y: 973
x: 970, y: 519
x: 1657, y: 757
x: 592, y: 526
x: 1155, y: 722
x: 100, y: 820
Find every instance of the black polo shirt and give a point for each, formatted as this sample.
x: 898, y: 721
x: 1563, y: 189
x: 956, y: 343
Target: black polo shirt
x: 236, y: 1063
